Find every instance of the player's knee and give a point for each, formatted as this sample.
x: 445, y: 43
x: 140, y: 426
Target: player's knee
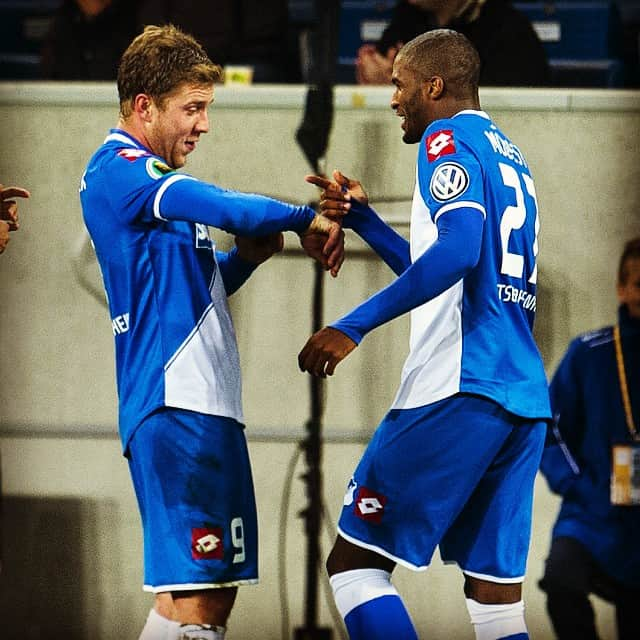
x: 333, y: 564
x: 486, y: 592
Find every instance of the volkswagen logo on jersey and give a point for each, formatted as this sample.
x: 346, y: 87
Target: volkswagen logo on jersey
x: 448, y: 181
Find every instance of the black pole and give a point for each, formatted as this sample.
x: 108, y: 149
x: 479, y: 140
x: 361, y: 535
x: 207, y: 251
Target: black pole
x: 312, y: 514
x: 313, y: 137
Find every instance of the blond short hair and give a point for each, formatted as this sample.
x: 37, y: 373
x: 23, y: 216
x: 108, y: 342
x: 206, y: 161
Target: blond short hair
x: 158, y: 61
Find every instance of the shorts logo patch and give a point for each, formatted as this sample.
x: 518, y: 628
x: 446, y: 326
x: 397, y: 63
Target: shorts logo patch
x: 156, y: 168
x: 440, y: 143
x: 448, y: 182
x: 369, y: 505
x: 348, y: 496
x: 132, y: 154
x: 206, y: 543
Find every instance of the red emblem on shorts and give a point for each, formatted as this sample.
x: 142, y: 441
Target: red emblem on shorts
x: 369, y: 505
x: 440, y: 144
x: 206, y: 543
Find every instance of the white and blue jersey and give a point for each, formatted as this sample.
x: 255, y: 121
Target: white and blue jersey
x: 469, y: 274
x: 166, y: 285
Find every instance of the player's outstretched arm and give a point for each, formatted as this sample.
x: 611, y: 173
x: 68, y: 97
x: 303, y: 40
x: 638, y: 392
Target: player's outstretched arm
x: 343, y: 199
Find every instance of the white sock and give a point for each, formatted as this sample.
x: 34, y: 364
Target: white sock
x: 158, y: 627
x: 495, y: 621
x: 201, y: 632
x: 353, y: 588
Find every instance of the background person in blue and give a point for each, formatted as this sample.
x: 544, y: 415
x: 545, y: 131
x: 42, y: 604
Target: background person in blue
x: 589, y: 460
x: 178, y: 371
x: 453, y: 463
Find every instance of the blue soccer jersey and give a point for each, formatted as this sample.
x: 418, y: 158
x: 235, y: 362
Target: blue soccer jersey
x: 471, y: 284
x: 166, y: 285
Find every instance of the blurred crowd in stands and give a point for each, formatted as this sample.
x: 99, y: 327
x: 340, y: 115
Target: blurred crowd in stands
x: 520, y: 43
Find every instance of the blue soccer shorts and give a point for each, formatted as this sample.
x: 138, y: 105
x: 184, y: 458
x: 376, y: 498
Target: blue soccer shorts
x: 192, y: 478
x: 458, y: 473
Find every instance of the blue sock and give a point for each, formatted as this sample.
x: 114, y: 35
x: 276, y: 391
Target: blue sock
x: 380, y: 619
x: 370, y: 605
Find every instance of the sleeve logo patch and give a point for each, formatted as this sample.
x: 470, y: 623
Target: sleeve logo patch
x: 156, y: 168
x: 448, y: 182
x: 440, y: 143
x: 132, y: 154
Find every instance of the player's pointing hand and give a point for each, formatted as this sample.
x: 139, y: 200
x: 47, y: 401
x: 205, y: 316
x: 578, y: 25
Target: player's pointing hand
x: 337, y: 194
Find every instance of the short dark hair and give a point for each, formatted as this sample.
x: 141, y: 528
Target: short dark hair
x: 448, y: 54
x: 159, y: 60
x: 631, y: 251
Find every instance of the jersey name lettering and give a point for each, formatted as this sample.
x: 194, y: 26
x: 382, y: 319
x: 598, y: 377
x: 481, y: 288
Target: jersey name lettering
x: 120, y: 324
x: 505, y: 148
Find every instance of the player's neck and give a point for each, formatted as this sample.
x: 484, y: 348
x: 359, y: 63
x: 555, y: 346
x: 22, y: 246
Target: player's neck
x: 137, y: 133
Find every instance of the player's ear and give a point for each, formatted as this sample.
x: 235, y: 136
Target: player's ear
x: 142, y: 105
x: 434, y: 87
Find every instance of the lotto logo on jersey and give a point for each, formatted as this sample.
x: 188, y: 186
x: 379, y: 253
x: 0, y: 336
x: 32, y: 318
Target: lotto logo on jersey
x: 132, y: 154
x: 440, y: 144
x: 206, y: 543
x: 369, y: 505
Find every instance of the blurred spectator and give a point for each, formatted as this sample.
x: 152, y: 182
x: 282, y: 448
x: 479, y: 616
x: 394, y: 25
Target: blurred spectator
x: 233, y: 32
x: 510, y: 51
x: 592, y: 459
x: 87, y: 38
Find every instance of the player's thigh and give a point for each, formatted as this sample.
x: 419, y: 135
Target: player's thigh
x: 490, y: 537
x: 417, y: 474
x: 192, y: 478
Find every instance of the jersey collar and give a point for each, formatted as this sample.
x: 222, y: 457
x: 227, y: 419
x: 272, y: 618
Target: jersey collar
x: 482, y: 114
x: 118, y: 135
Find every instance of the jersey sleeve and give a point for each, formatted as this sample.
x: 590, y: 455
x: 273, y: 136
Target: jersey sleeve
x: 233, y: 211
x: 454, y: 253
x: 142, y: 188
x: 384, y: 240
x: 131, y: 179
x: 234, y: 270
x: 449, y: 174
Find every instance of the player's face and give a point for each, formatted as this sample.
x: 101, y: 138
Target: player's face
x: 177, y: 127
x: 409, y: 101
x: 629, y: 291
